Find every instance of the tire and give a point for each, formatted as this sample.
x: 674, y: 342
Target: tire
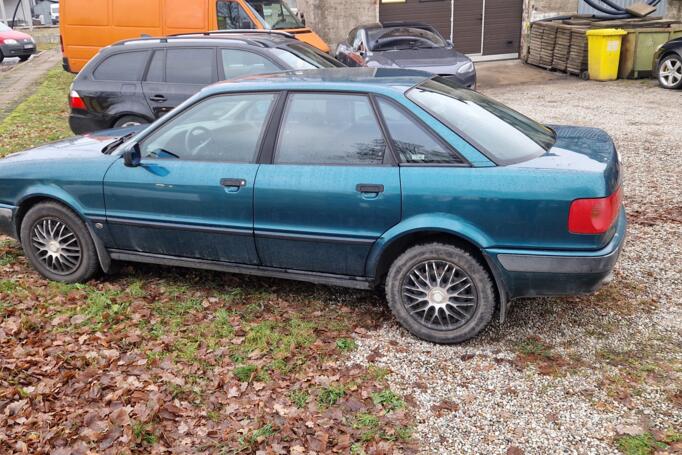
x: 670, y: 72
x: 23, y: 58
x: 130, y: 120
x: 41, y: 231
x: 473, y: 302
x: 2, y: 57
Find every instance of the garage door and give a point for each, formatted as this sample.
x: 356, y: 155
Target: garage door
x: 484, y: 27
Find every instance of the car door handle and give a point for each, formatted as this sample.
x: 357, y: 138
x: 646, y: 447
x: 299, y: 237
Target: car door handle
x: 233, y: 185
x: 158, y: 99
x: 369, y: 188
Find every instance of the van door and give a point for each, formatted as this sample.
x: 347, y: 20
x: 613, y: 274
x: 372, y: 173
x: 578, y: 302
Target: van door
x: 231, y: 15
x: 175, y: 74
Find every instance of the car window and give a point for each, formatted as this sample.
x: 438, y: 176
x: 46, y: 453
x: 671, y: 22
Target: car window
x: 240, y: 63
x: 190, y: 66
x: 327, y: 128
x: 276, y: 14
x: 156, y: 67
x: 303, y: 56
x: 411, y: 141
x: 224, y: 128
x: 505, y: 135
x: 124, y: 67
x: 232, y: 16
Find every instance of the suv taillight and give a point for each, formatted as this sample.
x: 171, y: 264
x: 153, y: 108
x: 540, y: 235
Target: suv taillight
x: 594, y: 216
x: 76, y: 102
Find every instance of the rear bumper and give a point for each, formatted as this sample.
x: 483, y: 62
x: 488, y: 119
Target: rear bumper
x: 82, y: 124
x: 546, y: 273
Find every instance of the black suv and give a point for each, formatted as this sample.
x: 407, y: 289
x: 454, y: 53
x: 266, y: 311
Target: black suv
x: 137, y: 81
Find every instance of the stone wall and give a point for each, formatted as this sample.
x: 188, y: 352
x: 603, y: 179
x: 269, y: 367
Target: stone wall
x: 333, y: 19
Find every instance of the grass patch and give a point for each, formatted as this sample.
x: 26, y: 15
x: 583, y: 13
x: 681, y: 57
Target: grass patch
x: 644, y: 444
x: 244, y: 373
x: 329, y: 396
x: 257, y: 436
x: 387, y: 399
x: 41, y: 118
x: 299, y: 398
x: 346, y: 344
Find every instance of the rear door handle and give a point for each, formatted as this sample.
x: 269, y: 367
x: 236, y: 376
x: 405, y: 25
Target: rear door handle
x: 369, y: 188
x: 233, y: 185
x: 158, y: 99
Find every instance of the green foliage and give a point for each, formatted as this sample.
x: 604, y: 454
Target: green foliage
x: 244, y: 373
x: 644, y: 444
x: 346, y: 344
x: 330, y: 395
x: 299, y: 398
x: 388, y: 400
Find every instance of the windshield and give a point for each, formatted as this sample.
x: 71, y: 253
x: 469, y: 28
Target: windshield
x: 384, y: 39
x: 304, y: 57
x: 276, y: 14
x: 503, y: 134
x: 4, y: 28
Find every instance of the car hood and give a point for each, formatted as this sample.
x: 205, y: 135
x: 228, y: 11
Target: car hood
x: 580, y: 149
x: 74, y: 148
x: 437, y: 61
x: 13, y: 35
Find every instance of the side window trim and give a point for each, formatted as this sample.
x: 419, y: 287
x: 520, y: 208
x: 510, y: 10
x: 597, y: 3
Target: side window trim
x: 145, y: 75
x: 424, y: 127
x: 261, y: 139
x: 390, y: 161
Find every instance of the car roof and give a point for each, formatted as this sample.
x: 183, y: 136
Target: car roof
x: 395, y: 24
x: 259, y: 38
x: 361, y: 79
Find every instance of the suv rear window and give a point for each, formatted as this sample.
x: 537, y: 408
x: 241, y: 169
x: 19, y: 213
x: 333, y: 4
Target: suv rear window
x: 124, y: 67
x: 506, y: 136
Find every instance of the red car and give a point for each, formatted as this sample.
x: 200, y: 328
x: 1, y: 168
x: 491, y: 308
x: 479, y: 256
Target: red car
x: 15, y: 44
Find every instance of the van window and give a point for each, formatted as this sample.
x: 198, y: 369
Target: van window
x: 241, y: 63
x: 190, y: 66
x: 232, y: 16
x: 124, y: 67
x: 324, y: 128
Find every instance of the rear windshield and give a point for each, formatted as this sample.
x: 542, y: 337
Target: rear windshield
x: 303, y: 57
x: 399, y: 38
x: 499, y: 132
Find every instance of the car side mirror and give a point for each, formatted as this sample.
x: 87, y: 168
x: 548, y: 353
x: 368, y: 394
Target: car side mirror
x: 303, y: 19
x: 132, y: 157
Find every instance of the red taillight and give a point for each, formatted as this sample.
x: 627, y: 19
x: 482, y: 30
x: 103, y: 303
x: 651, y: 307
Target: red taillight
x: 594, y: 216
x: 76, y: 102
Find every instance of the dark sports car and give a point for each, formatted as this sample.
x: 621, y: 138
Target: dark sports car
x: 410, y: 45
x: 668, y: 64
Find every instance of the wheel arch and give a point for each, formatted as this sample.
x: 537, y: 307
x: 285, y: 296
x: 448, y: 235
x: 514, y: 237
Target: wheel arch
x: 28, y: 202
x: 119, y: 115
x: 385, y: 253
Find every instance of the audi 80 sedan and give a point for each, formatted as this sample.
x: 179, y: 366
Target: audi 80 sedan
x: 362, y: 178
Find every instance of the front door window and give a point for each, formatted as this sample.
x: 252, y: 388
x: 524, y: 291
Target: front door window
x: 231, y: 16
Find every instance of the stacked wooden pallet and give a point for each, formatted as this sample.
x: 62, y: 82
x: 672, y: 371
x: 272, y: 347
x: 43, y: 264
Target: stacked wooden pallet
x: 562, y: 44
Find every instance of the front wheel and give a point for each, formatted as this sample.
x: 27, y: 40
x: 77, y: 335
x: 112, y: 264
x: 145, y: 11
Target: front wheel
x: 670, y: 72
x: 440, y: 293
x: 58, y: 244
x: 23, y: 58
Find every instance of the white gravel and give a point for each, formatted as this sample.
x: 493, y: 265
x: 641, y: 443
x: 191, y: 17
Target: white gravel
x: 639, y: 314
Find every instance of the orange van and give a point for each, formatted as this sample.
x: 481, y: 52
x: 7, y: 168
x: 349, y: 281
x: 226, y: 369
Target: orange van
x: 89, y: 25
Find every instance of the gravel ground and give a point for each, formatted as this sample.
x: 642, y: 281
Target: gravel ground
x: 609, y: 363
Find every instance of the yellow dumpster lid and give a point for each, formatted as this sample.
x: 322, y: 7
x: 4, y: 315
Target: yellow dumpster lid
x: 607, y: 32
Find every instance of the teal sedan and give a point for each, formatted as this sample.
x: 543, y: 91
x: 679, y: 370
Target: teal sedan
x: 364, y: 178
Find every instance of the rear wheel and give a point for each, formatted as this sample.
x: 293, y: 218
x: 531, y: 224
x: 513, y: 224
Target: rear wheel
x: 130, y: 120
x: 58, y: 244
x: 440, y: 293
x: 670, y: 72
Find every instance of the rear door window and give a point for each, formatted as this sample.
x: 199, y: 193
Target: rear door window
x: 411, y: 141
x: 241, y: 63
x: 190, y: 66
x: 123, y: 67
x: 156, y: 71
x: 330, y: 128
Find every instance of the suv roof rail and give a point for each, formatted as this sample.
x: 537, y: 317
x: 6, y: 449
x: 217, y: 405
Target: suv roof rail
x: 141, y: 39
x: 238, y: 32
x: 179, y: 36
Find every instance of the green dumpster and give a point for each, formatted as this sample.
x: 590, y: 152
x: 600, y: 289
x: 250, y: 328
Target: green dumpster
x: 639, y: 46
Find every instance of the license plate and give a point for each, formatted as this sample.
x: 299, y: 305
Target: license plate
x: 28, y: 46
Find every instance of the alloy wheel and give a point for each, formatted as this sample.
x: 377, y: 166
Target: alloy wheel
x: 56, y: 246
x: 670, y: 73
x: 439, y: 295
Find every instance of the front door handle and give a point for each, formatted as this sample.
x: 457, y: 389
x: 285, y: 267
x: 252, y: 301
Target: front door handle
x: 158, y: 99
x: 369, y: 188
x: 233, y: 185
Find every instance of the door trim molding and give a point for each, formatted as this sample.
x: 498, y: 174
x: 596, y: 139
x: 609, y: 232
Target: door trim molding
x: 345, y: 281
x: 313, y: 238
x: 179, y: 226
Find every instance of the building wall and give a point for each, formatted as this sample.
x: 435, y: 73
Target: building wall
x: 333, y: 19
